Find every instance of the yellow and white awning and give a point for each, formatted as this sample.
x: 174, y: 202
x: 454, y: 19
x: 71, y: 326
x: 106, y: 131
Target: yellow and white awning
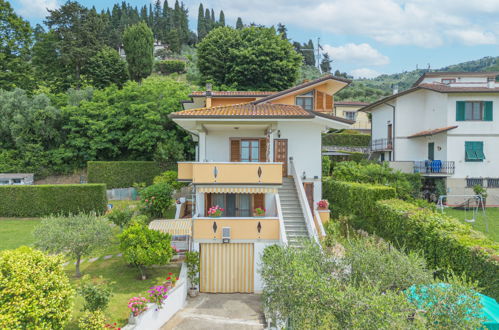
x: 173, y: 227
x: 237, y: 190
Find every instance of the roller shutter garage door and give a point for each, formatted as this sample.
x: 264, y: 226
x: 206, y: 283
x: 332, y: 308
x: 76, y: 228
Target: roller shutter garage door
x: 226, y: 268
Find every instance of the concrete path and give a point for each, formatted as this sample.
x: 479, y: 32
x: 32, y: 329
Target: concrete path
x: 219, y: 312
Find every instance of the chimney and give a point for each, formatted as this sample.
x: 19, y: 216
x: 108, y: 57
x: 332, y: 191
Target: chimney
x: 491, y: 82
x: 208, y: 95
x: 395, y: 89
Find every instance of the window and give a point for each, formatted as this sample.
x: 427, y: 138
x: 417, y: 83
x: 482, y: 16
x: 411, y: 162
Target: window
x: 4, y: 182
x: 306, y: 101
x: 235, y: 205
x: 250, y: 150
x: 448, y: 81
x: 492, y: 183
x: 474, y: 151
x: 350, y: 115
x: 471, y: 182
x: 474, y: 111
x: 16, y: 181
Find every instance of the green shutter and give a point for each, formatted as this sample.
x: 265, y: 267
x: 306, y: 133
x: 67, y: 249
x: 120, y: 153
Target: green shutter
x: 487, y: 112
x: 474, y: 151
x: 460, y: 106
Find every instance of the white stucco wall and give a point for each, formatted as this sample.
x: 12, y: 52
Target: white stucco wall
x: 218, y: 142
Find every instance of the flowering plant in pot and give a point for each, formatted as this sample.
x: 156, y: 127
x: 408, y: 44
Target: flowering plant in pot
x: 170, y: 281
x: 137, y: 305
x: 215, y: 211
x: 323, y: 204
x: 259, y: 212
x: 157, y: 294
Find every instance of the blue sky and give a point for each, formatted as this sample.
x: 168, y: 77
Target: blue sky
x: 364, y: 37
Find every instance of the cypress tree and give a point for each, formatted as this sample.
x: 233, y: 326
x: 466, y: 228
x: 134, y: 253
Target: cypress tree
x: 207, y: 20
x: 143, y: 14
x: 138, y: 42
x: 239, y: 23
x: 221, y: 18
x: 213, y: 20
x: 201, y: 23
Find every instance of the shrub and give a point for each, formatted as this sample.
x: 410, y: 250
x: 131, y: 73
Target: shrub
x: 121, y: 218
x: 96, y: 295
x: 76, y: 235
x: 157, y: 199
x: 169, y: 66
x: 192, y: 261
x: 122, y: 174
x: 326, y: 166
x: 92, y: 320
x: 43, y: 200
x: 144, y: 247
x: 170, y: 177
x: 350, y: 140
x: 36, y: 293
x: 444, y: 241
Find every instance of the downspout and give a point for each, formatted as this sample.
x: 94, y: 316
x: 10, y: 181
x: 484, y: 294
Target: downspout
x: 393, y: 130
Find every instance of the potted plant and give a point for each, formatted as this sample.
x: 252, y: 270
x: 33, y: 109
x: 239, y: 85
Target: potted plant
x: 157, y: 294
x: 170, y: 281
x: 481, y: 191
x: 323, y: 205
x: 215, y: 211
x: 137, y: 305
x: 259, y: 212
x: 192, y: 261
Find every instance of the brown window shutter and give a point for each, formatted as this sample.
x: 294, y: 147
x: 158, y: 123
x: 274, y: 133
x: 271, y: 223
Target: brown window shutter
x: 207, y: 203
x: 320, y: 101
x: 235, y: 150
x: 259, y: 200
x: 263, y: 150
x: 329, y: 102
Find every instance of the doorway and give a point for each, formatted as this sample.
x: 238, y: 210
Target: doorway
x: 431, y: 151
x: 281, y: 154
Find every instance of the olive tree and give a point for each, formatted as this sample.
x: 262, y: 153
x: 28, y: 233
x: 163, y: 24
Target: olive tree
x: 76, y: 235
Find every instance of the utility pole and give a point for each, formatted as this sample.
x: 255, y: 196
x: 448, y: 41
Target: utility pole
x: 319, y: 48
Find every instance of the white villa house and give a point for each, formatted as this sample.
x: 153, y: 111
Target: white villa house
x: 262, y: 153
x: 446, y: 126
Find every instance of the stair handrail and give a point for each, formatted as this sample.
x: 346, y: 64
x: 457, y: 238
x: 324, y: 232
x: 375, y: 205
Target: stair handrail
x: 282, y: 228
x: 309, y: 220
x: 319, y: 223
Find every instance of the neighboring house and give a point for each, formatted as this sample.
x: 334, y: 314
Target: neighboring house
x: 16, y: 178
x: 445, y: 126
x: 261, y: 154
x: 350, y: 110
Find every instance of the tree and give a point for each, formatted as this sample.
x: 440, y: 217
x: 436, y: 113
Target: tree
x: 239, y: 23
x: 282, y: 31
x: 76, y: 235
x: 16, y: 39
x: 201, y: 23
x: 144, y: 247
x: 106, y: 68
x: 326, y: 63
x: 221, y: 18
x: 139, y: 47
x: 36, y: 293
x: 79, y: 32
x: 254, y: 58
x: 308, y: 52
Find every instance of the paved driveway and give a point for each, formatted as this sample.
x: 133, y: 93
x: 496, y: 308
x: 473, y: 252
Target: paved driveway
x: 219, y: 312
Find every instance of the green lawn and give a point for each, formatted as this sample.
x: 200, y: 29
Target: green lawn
x: 15, y: 232
x: 492, y: 215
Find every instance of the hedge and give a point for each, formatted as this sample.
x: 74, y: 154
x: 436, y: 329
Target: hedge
x: 444, y: 241
x: 350, y: 140
x: 42, y: 200
x: 170, y: 66
x: 123, y: 174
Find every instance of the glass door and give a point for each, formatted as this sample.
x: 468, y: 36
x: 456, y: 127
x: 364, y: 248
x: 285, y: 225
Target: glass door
x: 243, y: 205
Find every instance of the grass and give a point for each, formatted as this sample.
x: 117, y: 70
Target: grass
x: 492, y: 215
x: 15, y: 232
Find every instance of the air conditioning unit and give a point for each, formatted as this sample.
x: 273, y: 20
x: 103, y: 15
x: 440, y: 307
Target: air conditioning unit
x: 225, y: 234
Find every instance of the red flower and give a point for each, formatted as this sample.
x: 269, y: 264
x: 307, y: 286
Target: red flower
x: 168, y: 278
x: 170, y: 274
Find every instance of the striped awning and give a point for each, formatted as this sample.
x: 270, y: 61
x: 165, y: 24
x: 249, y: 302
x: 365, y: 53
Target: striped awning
x: 173, y: 227
x: 237, y: 190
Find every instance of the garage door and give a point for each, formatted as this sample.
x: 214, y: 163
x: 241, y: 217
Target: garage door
x: 227, y: 268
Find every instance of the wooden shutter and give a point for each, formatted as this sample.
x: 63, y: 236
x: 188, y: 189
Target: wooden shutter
x: 319, y: 101
x: 263, y: 150
x: 235, y: 150
x: 258, y: 201
x: 460, y: 106
x: 487, y: 111
x: 207, y: 203
x: 329, y: 102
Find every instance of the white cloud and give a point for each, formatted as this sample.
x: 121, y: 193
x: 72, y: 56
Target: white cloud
x: 364, y: 73
x: 474, y: 37
x: 357, y: 53
x: 425, y: 23
x: 36, y: 8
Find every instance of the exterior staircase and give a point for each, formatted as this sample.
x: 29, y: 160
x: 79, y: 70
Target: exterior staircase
x: 294, y: 220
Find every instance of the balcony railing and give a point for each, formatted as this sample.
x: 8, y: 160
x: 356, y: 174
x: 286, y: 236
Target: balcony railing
x: 434, y: 167
x: 266, y: 228
x: 230, y: 173
x: 382, y: 144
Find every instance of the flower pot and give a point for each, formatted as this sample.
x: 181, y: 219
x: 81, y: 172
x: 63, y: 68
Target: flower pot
x: 132, y: 319
x: 193, y: 292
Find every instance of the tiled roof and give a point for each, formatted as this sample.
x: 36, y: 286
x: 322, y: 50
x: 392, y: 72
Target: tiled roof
x: 451, y: 89
x: 455, y: 74
x: 233, y: 93
x: 350, y: 103
x: 246, y: 110
x: 432, y: 131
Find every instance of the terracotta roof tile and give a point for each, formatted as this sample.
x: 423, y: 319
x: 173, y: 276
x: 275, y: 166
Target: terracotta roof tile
x: 350, y: 103
x: 451, y: 89
x: 246, y: 110
x: 432, y: 131
x: 233, y: 93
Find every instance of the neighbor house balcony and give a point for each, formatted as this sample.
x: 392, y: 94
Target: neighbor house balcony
x: 382, y: 144
x: 230, y: 173
x: 434, y: 167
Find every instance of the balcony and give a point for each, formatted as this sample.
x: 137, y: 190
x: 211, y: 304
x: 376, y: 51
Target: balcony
x: 382, y: 144
x: 230, y: 173
x: 434, y: 167
x: 266, y: 228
